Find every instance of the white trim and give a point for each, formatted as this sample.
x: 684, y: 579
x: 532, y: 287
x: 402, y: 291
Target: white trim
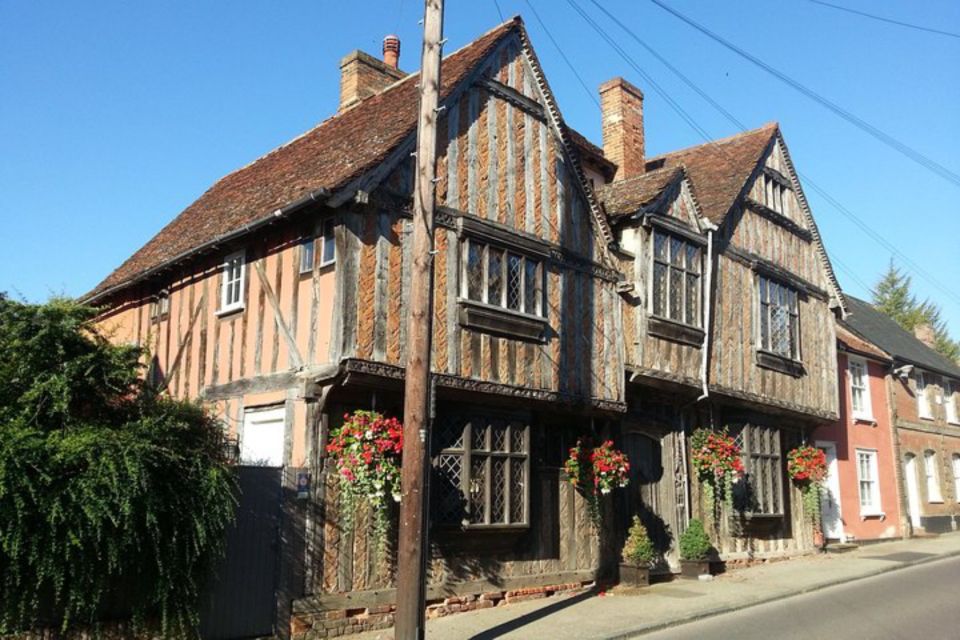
x: 955, y: 462
x: 225, y: 306
x: 865, y: 412
x: 932, y: 475
x: 308, y: 244
x: 951, y: 401
x: 874, y: 508
x: 924, y: 407
x: 327, y: 233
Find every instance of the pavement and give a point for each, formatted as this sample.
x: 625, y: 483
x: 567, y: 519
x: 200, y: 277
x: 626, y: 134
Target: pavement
x: 626, y: 613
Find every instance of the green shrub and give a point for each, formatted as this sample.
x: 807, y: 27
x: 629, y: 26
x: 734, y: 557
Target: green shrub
x: 638, y: 549
x: 113, y: 499
x: 694, y: 542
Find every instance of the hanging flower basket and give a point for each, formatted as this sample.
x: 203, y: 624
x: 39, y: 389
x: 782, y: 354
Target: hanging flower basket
x: 596, y: 471
x: 807, y: 467
x: 718, y: 464
x: 366, y: 451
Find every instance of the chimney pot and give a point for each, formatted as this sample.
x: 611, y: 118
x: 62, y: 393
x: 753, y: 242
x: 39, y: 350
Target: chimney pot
x: 621, y: 106
x: 391, y: 51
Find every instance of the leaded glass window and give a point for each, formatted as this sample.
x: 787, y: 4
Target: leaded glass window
x: 760, y: 489
x: 676, y: 279
x: 480, y: 466
x: 502, y: 278
x: 779, y: 319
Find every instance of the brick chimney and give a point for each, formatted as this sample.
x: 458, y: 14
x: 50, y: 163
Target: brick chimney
x: 621, y: 106
x: 925, y: 334
x: 362, y: 75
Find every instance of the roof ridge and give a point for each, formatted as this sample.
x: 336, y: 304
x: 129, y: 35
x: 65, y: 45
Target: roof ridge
x: 772, y: 125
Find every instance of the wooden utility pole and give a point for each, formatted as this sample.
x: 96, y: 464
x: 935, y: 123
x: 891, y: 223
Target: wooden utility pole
x: 412, y: 547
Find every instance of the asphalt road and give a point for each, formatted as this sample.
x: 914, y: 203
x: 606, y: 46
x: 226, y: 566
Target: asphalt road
x: 917, y: 602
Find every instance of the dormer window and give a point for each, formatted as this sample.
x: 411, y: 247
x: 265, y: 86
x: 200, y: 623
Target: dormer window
x: 675, y: 279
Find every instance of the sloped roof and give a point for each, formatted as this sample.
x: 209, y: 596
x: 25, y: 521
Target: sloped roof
x: 884, y: 332
x: 857, y: 343
x: 329, y: 156
x: 719, y: 169
x: 627, y: 196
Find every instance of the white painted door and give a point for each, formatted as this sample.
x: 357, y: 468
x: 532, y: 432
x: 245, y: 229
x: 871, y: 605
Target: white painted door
x: 261, y: 441
x: 913, y: 490
x: 830, y: 514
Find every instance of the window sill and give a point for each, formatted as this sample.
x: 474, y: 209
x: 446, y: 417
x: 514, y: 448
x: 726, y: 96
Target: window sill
x: 873, y: 514
x: 228, y: 311
x: 504, y: 322
x: 675, y: 331
x: 865, y: 420
x: 940, y: 501
x: 780, y: 363
x: 954, y: 423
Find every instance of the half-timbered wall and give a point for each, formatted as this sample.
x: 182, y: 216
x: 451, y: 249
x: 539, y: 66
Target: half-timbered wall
x: 501, y: 164
x: 645, y: 351
x: 752, y: 240
x: 231, y: 358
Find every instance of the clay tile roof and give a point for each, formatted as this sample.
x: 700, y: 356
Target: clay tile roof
x: 328, y: 156
x: 853, y: 342
x: 627, y: 196
x: 590, y: 150
x: 719, y: 169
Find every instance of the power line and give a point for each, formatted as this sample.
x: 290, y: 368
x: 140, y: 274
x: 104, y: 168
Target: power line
x: 869, y: 231
x: 911, y: 153
x: 499, y: 12
x: 563, y: 55
x: 889, y: 20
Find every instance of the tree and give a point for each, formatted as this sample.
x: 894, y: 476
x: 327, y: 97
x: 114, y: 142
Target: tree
x: 113, y: 499
x: 893, y: 296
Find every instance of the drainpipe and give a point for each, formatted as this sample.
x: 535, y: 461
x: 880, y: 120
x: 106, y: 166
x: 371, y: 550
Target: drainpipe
x: 705, y: 349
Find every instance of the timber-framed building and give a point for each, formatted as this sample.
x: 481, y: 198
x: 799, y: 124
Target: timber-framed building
x: 577, y: 290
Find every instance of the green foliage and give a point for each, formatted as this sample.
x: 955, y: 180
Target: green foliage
x: 113, y: 500
x: 894, y: 297
x: 638, y: 549
x: 694, y: 542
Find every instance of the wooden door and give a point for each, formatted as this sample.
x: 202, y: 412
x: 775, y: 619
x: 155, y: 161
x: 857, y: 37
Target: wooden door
x: 650, y: 494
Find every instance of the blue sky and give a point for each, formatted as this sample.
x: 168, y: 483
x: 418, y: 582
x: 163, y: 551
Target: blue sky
x: 114, y: 116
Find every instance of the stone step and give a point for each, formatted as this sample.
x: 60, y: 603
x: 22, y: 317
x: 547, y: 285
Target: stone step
x: 842, y: 547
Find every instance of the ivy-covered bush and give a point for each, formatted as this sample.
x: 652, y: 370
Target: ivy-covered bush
x: 113, y: 499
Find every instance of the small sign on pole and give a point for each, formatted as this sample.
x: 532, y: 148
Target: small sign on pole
x: 303, y: 485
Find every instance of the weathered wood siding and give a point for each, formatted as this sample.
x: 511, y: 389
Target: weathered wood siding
x: 676, y: 361
x: 500, y: 160
x: 746, y: 234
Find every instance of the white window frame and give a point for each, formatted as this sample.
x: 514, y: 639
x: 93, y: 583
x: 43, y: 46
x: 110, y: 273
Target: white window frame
x: 950, y: 401
x: 872, y: 505
x: 924, y: 406
x: 956, y: 476
x: 932, y: 473
x: 308, y: 254
x: 328, y: 239
x: 226, y: 283
x: 865, y: 411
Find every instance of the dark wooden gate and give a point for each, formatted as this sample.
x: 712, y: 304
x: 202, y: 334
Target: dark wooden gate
x: 240, y: 601
x: 651, y: 494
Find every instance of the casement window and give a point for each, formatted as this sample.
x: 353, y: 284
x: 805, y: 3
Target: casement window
x: 675, y: 279
x: 868, y: 478
x: 779, y: 319
x: 502, y: 278
x: 481, y: 468
x: 951, y: 401
x: 328, y: 246
x: 924, y: 408
x: 775, y: 194
x: 308, y: 253
x: 933, y: 477
x: 232, y: 282
x: 956, y: 476
x: 859, y: 388
x: 760, y: 490
x: 160, y: 306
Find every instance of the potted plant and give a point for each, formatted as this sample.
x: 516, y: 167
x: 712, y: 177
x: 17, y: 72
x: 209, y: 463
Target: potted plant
x: 695, y: 551
x: 637, y: 555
